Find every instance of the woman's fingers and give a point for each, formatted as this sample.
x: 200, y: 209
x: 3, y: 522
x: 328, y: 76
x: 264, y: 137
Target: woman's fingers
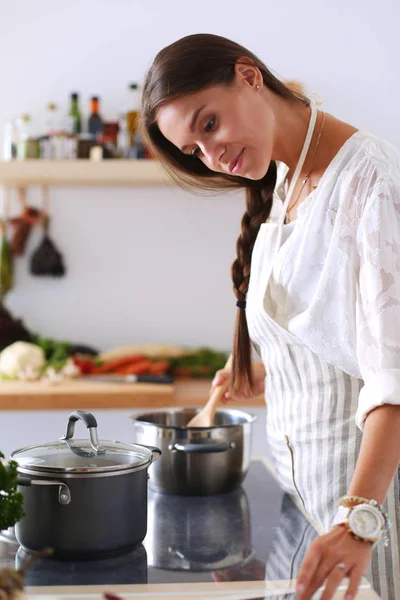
x: 355, y: 580
x: 330, y: 568
x: 220, y: 376
x: 223, y: 375
x: 308, y: 570
x: 226, y: 398
x: 335, y: 578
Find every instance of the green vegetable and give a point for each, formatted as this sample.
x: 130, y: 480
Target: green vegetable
x: 54, y: 350
x: 11, y: 501
x: 202, y: 363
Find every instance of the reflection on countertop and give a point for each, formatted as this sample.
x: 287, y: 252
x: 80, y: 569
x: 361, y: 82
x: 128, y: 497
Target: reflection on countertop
x: 251, y: 534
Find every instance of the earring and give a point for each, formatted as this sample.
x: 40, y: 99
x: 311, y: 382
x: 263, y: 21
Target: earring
x: 257, y: 87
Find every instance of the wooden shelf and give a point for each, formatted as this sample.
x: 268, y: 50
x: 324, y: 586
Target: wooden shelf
x: 73, y: 394
x: 112, y: 172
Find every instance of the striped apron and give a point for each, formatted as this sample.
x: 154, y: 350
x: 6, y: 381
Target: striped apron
x: 311, y: 407
x: 294, y: 535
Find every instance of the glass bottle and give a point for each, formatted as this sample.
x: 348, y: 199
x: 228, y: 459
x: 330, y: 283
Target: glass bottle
x: 9, y: 141
x: 24, y: 127
x: 133, y: 114
x: 95, y: 125
x: 123, y: 138
x: 75, y: 115
x: 54, y: 133
x: 51, y: 119
x: 27, y: 145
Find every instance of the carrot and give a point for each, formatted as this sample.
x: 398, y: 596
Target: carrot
x: 137, y: 368
x: 115, y: 363
x: 158, y: 367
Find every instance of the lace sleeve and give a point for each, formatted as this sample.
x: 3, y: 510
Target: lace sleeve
x: 378, y: 299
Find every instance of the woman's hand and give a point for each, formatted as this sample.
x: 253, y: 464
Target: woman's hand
x: 241, y: 396
x: 330, y: 558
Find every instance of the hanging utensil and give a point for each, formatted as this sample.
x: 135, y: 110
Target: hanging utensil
x: 23, y: 224
x: 46, y: 259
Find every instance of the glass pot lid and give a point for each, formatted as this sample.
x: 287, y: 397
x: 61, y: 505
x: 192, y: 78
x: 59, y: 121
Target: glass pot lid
x: 83, y: 456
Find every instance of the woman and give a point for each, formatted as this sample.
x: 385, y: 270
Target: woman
x: 317, y: 285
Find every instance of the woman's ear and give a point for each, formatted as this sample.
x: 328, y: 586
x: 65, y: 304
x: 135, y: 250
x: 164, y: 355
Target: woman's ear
x: 247, y: 72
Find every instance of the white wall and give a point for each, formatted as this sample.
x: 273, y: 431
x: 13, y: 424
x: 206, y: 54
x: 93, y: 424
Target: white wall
x: 148, y: 265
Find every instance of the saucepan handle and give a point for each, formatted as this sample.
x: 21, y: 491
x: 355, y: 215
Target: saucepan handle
x: 64, y: 493
x: 156, y: 452
x: 91, y: 424
x: 201, y: 448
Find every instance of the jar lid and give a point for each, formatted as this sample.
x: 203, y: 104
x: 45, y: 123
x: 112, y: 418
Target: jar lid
x: 79, y: 456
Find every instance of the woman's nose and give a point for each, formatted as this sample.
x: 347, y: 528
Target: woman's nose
x: 212, y: 153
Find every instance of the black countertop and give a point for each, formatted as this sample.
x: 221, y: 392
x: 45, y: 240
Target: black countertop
x: 253, y: 533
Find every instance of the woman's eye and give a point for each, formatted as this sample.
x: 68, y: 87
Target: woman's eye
x: 210, y: 125
x: 196, y: 152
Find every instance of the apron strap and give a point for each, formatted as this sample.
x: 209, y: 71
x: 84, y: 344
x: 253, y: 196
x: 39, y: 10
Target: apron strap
x: 300, y: 164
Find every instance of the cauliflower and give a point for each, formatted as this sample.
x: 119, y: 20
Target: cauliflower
x: 21, y: 356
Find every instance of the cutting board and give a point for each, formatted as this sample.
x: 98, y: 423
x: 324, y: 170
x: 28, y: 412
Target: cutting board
x: 15, y: 395
x: 72, y: 394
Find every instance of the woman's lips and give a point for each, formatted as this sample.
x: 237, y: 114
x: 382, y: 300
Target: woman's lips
x: 236, y: 165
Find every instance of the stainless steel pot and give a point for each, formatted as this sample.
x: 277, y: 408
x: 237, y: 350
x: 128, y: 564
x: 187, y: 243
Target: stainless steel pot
x: 196, y: 460
x: 201, y: 533
x: 83, y: 498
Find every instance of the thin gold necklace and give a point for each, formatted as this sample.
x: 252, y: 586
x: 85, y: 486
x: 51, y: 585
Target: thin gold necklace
x: 306, y: 178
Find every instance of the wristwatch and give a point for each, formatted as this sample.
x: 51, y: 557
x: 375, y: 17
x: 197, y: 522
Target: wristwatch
x: 364, y: 521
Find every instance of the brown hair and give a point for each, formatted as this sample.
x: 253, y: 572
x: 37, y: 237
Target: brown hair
x: 189, y: 65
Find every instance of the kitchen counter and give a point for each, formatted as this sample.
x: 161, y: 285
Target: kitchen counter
x: 39, y: 395
x: 244, y: 545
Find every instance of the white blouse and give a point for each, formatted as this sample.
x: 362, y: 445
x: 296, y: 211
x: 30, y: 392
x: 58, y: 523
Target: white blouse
x: 335, y: 283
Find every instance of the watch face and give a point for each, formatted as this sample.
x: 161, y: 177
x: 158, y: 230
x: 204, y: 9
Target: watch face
x: 366, y: 521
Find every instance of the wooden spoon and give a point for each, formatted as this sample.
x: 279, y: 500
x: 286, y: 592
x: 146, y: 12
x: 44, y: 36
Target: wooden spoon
x: 205, y: 418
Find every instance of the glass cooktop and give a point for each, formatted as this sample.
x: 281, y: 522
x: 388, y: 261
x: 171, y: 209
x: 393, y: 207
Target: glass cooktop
x: 253, y: 533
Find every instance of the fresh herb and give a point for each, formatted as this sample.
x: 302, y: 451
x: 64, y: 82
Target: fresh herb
x: 11, y: 501
x: 57, y: 352
x: 201, y: 363
x: 54, y: 350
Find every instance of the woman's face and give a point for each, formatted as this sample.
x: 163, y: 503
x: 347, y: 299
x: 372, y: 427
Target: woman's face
x: 230, y: 129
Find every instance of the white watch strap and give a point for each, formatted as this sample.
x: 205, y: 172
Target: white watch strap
x: 341, y: 515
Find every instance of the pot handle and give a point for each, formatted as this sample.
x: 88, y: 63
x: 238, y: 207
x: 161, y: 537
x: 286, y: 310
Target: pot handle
x: 156, y: 452
x: 64, y: 493
x: 91, y: 424
x: 201, y: 448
